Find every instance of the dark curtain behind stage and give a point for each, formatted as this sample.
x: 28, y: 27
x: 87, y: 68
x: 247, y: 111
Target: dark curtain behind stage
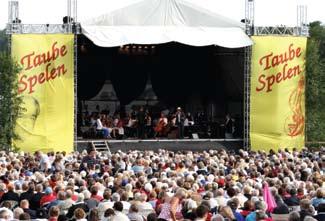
x: 181, y: 75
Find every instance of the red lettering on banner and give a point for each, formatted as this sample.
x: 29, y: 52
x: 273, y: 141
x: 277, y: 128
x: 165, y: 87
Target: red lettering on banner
x: 29, y: 83
x: 32, y: 60
x: 22, y: 85
x: 268, y: 80
x: 28, y: 57
x: 262, y: 81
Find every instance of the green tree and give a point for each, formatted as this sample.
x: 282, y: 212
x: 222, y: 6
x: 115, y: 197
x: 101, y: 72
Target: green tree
x: 9, y: 100
x: 3, y: 41
x: 315, y: 83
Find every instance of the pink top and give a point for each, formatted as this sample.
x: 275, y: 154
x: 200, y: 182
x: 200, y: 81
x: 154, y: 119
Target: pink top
x: 165, y: 212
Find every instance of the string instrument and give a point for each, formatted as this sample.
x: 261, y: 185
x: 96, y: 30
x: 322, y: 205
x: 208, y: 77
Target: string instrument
x: 160, y: 126
x: 294, y: 124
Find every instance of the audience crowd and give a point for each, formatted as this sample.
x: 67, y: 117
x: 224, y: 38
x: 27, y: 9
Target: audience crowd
x: 211, y: 185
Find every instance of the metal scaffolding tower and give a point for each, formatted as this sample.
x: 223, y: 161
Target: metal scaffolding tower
x: 249, y: 25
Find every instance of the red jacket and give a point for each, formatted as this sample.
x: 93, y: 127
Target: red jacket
x: 47, y: 199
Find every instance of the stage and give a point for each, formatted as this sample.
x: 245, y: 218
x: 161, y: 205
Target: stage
x: 168, y: 144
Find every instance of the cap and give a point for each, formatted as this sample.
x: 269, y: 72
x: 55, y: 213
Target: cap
x: 48, y: 190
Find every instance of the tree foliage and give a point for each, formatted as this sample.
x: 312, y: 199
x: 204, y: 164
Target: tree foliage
x: 3, y: 41
x: 315, y: 83
x: 9, y: 100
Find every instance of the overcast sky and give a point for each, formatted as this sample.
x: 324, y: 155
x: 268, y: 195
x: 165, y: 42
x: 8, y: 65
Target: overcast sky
x: 267, y: 12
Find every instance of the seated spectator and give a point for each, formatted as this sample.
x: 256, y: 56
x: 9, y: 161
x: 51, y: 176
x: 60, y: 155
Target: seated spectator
x: 48, y: 197
x: 294, y: 216
x: 79, y: 204
x: 105, y: 204
x: 320, y: 212
x: 281, y: 208
x: 35, y: 201
x: 202, y: 213
x: 292, y: 200
x: 80, y: 214
x: 90, y: 202
x: 227, y: 213
x: 118, y: 215
x: 10, y: 195
x: 93, y: 215
x: 94, y: 194
x: 134, y: 214
x: 233, y: 204
x: 319, y: 199
x: 247, y: 209
x: 6, y: 206
x: 305, y: 209
x: 54, y: 213
x: 17, y: 212
x: 28, y: 191
x: 24, y: 204
x: 24, y: 216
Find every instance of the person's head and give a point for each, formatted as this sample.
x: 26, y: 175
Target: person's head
x: 4, y: 215
x: 116, y: 197
x: 6, y: 204
x: 54, y: 211
x: 24, y: 216
x: 17, y: 212
x: 94, y: 215
x: 260, y: 205
x: 248, y: 205
x: 39, y: 188
x: 48, y: 191
x: 118, y: 206
x: 134, y: 208
x: 226, y: 212
x: 260, y: 215
x: 24, y: 204
x: 231, y: 192
x: 293, y: 191
x: 61, y: 195
x: 233, y: 203
x: 152, y: 217
x: 294, y: 216
x: 202, y: 212
x: 91, y: 151
x: 305, y: 204
x: 320, y: 193
x: 94, y: 190
x: 217, y: 217
x: 181, y: 193
x: 109, y: 212
x: 79, y: 213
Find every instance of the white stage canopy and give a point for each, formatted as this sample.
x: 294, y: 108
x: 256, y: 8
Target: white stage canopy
x: 162, y: 21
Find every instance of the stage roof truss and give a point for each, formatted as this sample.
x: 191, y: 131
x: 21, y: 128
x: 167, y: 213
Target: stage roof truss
x: 281, y: 30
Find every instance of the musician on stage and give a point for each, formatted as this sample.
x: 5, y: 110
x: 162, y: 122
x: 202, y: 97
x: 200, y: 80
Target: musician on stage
x: 229, y: 129
x: 179, y: 122
x: 141, y: 123
x: 161, y: 126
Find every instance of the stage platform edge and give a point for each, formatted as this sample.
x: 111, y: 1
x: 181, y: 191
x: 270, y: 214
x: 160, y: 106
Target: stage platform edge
x: 168, y: 144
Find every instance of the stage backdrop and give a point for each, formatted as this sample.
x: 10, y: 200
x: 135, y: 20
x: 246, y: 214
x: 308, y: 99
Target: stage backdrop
x: 277, y: 102
x: 46, y: 84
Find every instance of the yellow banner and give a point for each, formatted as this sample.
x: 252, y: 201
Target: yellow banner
x: 46, y: 84
x: 277, y: 102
